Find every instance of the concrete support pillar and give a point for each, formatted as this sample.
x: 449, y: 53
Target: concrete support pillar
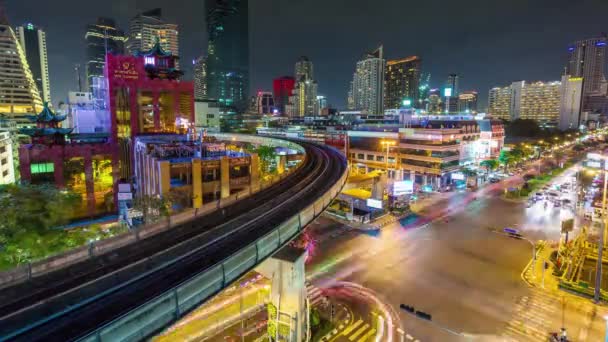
x: 281, y: 162
x: 287, y: 312
x: 254, y: 172
x: 225, y: 177
x: 165, y: 177
x: 156, y: 108
x: 197, y: 183
x: 379, y: 186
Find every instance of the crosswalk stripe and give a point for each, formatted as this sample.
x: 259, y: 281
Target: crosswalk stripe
x: 359, y: 332
x: 351, y: 327
x: 367, y: 336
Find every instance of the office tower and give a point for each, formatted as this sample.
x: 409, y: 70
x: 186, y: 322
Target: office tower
x: 304, y: 69
x: 264, y: 102
x: 499, y: 102
x: 368, y: 83
x: 228, y: 53
x: 102, y: 37
x: 306, y: 87
x: 282, y: 89
x: 587, y: 59
x: 321, y: 104
x: 19, y: 94
x: 539, y: 101
x: 350, y: 99
x: 434, y: 101
x: 402, y: 81
x: 452, y: 83
x: 200, y: 75
x: 33, y: 43
x: 570, y: 102
x: 148, y: 27
x: 467, y: 102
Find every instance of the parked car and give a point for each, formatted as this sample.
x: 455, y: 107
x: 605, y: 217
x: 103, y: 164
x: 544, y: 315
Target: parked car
x: 494, y: 180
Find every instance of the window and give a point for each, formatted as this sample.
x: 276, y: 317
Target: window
x: 380, y: 158
x: 42, y: 168
x: 4, y: 161
x: 210, y: 116
x: 360, y: 156
x: 2, y: 149
x: 5, y: 173
x: 370, y: 157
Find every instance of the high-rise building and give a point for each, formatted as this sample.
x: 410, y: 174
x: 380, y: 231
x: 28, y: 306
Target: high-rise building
x: 305, y: 92
x: 402, y: 81
x: 228, y: 53
x: 102, y: 37
x: 19, y: 94
x: 304, y: 69
x: 467, y: 102
x: 33, y: 43
x: 282, y: 89
x: 587, y: 59
x: 321, y: 104
x: 571, y: 102
x: 452, y: 83
x: 368, y: 83
x: 264, y: 102
x: 539, y: 101
x: 200, y: 75
x: 350, y: 99
x: 434, y: 101
x: 148, y: 27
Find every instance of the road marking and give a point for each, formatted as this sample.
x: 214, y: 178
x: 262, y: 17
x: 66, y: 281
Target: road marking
x: 368, y: 335
x: 352, y: 327
x: 359, y: 332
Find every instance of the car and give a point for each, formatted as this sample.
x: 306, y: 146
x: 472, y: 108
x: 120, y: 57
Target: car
x: 494, y: 180
x: 539, y: 195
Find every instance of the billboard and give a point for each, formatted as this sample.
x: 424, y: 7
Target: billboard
x: 458, y: 176
x: 374, y: 203
x: 447, y: 92
x: 405, y: 187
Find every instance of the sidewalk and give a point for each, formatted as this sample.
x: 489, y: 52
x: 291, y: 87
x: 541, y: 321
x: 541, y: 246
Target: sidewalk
x: 533, y: 273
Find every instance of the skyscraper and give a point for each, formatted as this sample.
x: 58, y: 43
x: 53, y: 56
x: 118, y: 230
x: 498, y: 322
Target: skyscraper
x: 571, y: 102
x: 539, y: 101
x: 453, y: 84
x: 499, y: 102
x: 368, y: 83
x: 306, y: 87
x: 587, y: 60
x: 18, y: 91
x: 33, y: 43
x: 304, y: 69
x: 228, y: 53
x: 146, y: 27
x: 102, y: 37
x: 282, y: 89
x: 402, y: 81
x: 467, y: 102
x: 200, y: 75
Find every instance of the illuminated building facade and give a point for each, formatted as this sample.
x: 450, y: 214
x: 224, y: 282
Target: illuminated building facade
x: 538, y: 101
x: 33, y: 43
x: 368, y: 83
x: 86, y: 164
x: 19, y: 94
x: 147, y: 28
x: 199, y: 170
x: 587, y: 59
x: 282, y: 89
x: 264, y: 103
x: 402, y: 81
x: 499, y: 102
x: 305, y: 92
x: 7, y: 171
x: 200, y: 75
x: 571, y: 102
x: 227, y: 79
x: 146, y: 96
x: 102, y: 37
x: 467, y: 102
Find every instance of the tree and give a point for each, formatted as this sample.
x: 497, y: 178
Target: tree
x: 505, y: 158
x: 489, y: 164
x: 559, y: 156
x: 267, y: 156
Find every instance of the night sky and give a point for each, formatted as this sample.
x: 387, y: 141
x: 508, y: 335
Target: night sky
x: 488, y: 42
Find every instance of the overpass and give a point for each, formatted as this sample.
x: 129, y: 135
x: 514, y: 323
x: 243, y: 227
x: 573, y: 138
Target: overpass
x: 134, y: 291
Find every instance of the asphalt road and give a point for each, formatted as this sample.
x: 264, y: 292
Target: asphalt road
x: 467, y: 277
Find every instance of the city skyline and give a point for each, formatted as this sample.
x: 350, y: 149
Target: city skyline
x: 530, y: 48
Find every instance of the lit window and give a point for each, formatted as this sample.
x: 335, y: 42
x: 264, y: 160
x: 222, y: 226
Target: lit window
x: 149, y: 60
x: 42, y: 168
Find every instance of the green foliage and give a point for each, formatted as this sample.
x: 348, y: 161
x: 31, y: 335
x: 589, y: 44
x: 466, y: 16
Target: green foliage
x: 267, y: 156
x: 523, y: 128
x: 490, y: 164
x: 505, y: 158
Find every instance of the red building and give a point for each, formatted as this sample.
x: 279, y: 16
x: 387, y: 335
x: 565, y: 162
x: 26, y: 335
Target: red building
x: 282, y: 89
x: 146, y: 97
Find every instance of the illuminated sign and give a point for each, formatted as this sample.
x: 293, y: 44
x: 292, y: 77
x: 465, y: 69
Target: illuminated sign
x: 374, y: 203
x: 594, y: 164
x: 575, y: 79
x: 126, y: 70
x: 458, y: 176
x: 594, y: 156
x: 403, y: 188
x: 447, y: 92
x: 407, y: 103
